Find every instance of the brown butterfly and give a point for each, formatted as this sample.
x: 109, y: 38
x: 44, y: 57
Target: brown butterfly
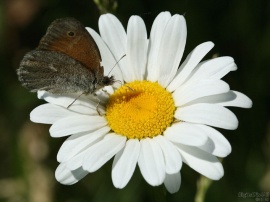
x: 67, y: 60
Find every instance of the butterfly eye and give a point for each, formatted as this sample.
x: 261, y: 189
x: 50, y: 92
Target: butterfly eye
x: 71, y: 34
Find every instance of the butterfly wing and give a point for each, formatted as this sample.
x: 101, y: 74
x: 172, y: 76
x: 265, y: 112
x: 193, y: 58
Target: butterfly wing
x: 55, y: 72
x: 69, y: 36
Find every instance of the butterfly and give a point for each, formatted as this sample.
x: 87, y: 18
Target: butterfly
x: 67, y: 60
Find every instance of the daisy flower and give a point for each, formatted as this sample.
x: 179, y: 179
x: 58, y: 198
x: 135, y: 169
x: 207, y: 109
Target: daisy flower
x: 161, y: 116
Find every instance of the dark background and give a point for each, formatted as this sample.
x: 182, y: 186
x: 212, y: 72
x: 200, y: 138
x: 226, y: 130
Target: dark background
x: 239, y: 28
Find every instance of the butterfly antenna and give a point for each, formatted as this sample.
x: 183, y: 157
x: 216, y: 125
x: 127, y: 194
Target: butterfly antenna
x: 130, y: 88
x: 120, y: 82
x: 116, y: 64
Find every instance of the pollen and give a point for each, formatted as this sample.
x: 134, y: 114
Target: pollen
x: 140, y: 109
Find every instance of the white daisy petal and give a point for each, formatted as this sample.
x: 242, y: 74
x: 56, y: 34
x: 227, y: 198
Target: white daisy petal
x: 136, y: 48
x: 55, y: 99
x: 156, y: 34
x: 151, y: 162
x: 201, y: 161
x: 240, y: 100
x: 213, y: 69
x: 78, y: 142
x: 208, y: 114
x: 173, y: 161
x: 49, y: 113
x: 76, y: 124
x: 67, y: 177
x: 117, y: 38
x: 82, y: 109
x: 185, y: 133
x: 124, y: 163
x: 76, y: 161
x: 171, y: 49
x: 172, y: 182
x: 234, y: 67
x: 229, y: 99
x: 101, y: 152
x: 201, y: 88
x: 83, y: 104
x: 108, y: 60
x: 189, y: 64
x: 216, y: 144
x: 114, y: 35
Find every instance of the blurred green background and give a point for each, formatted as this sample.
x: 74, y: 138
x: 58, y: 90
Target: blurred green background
x: 239, y: 28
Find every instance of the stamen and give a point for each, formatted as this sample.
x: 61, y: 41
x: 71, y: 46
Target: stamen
x: 146, y: 111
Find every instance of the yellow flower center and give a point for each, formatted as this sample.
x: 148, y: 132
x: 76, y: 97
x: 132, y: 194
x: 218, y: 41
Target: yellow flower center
x: 140, y: 109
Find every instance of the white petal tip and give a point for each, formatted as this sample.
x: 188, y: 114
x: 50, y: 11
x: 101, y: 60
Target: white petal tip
x: 67, y: 177
x: 172, y: 182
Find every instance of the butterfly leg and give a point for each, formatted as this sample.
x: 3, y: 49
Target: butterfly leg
x: 97, y: 106
x: 106, y: 92
x: 75, y: 100
x: 98, y: 111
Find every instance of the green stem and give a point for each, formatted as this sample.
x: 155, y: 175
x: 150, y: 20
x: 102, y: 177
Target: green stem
x: 202, y: 186
x: 106, y: 6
